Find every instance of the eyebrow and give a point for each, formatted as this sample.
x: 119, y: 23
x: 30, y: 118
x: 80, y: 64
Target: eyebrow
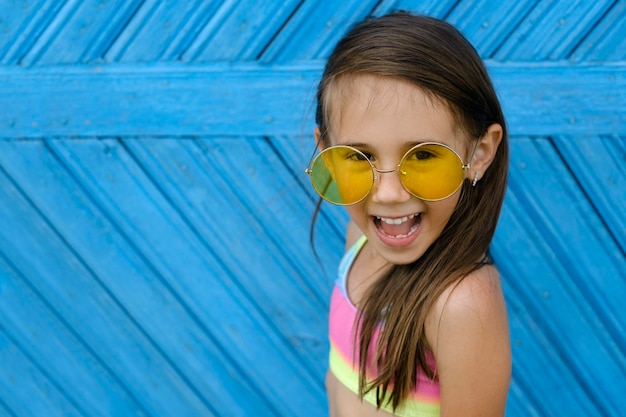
x: 407, y: 144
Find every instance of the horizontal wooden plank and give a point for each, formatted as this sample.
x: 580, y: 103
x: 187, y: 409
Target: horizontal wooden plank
x: 251, y: 99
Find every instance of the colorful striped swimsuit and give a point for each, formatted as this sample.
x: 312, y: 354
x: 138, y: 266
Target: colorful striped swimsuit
x: 422, y: 402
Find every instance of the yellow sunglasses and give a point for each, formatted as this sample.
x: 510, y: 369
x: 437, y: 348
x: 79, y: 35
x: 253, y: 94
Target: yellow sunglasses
x: 430, y: 171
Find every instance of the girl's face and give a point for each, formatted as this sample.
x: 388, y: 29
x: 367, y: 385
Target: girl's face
x: 385, y: 117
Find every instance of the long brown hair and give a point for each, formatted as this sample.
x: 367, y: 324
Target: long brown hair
x: 434, y: 56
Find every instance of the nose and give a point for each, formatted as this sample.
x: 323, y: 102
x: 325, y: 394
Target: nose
x: 388, y: 188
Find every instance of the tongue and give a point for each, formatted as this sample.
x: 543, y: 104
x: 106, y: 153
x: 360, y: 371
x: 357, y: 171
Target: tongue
x: 402, y: 229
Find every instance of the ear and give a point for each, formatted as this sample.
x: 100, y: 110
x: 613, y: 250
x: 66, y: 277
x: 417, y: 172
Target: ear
x: 318, y: 138
x: 485, y: 151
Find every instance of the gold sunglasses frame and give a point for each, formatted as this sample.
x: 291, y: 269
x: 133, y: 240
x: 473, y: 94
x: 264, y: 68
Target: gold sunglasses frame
x: 464, y: 167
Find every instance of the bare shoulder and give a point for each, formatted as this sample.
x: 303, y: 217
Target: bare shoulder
x: 477, y: 297
x: 469, y: 334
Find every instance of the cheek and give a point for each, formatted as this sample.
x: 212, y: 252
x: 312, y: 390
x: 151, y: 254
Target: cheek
x: 358, y: 214
x: 441, y: 211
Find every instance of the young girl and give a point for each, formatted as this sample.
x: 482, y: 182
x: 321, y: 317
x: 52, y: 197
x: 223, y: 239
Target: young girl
x: 413, y: 143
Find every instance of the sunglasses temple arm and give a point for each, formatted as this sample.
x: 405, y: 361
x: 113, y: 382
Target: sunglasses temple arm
x: 469, y: 163
x: 308, y: 169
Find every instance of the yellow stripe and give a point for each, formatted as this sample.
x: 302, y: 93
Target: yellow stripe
x: 342, y: 370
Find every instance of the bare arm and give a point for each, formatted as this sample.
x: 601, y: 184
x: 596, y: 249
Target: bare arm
x: 468, y: 332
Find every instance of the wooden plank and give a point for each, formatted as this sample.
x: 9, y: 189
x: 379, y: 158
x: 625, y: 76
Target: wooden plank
x: 42, y: 256
x: 488, y: 27
x: 25, y: 390
x: 314, y: 30
x: 136, y: 285
x: 64, y: 362
x: 138, y: 288
x: 566, y: 279
x: 22, y: 25
x: 193, y: 177
x: 161, y: 30
x: 553, y: 30
x: 435, y: 8
x: 606, y: 41
x: 240, y: 30
x: 296, y: 153
x: 164, y: 362
x: 175, y: 100
x: 147, y: 100
x: 571, y: 226
x: 81, y: 32
x: 528, y: 274
x: 550, y: 99
x: 193, y: 273
x: 597, y: 163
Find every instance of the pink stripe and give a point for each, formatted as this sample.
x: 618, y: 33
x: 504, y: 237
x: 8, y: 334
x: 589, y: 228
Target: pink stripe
x: 341, y: 331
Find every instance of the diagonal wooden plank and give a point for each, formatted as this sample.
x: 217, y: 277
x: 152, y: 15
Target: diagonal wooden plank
x: 488, y: 27
x: 553, y: 30
x: 205, y: 195
x: 519, y: 401
x: 597, y: 163
x: 134, y: 284
x: 435, y: 8
x: 606, y: 42
x: 161, y: 30
x: 565, y: 276
x: 546, y: 334
x: 119, y: 186
x: 240, y: 30
x: 22, y: 24
x: 314, y: 30
x: 42, y: 256
x: 296, y: 154
x: 38, y: 396
x: 60, y: 355
x: 82, y: 31
x: 569, y: 223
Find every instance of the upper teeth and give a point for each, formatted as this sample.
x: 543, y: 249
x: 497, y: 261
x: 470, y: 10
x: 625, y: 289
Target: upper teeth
x: 397, y: 220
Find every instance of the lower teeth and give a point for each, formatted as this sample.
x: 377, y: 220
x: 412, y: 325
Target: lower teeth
x: 401, y: 236
x: 413, y: 228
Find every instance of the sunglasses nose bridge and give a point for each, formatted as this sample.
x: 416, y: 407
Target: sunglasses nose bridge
x: 386, y: 171
x: 381, y: 171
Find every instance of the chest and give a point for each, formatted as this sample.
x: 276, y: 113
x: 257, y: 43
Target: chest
x: 366, y: 269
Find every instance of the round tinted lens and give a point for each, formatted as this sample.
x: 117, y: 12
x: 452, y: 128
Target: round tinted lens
x: 431, y: 171
x: 342, y: 175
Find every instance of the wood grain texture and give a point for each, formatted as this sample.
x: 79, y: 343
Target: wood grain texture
x: 155, y: 217
x: 175, y: 100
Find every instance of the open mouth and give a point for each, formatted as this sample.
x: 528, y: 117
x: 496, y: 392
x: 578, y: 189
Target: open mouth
x: 399, y: 227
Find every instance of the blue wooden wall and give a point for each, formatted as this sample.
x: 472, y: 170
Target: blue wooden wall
x: 154, y: 214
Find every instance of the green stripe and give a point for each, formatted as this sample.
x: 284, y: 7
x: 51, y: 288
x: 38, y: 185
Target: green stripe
x: 350, y: 378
